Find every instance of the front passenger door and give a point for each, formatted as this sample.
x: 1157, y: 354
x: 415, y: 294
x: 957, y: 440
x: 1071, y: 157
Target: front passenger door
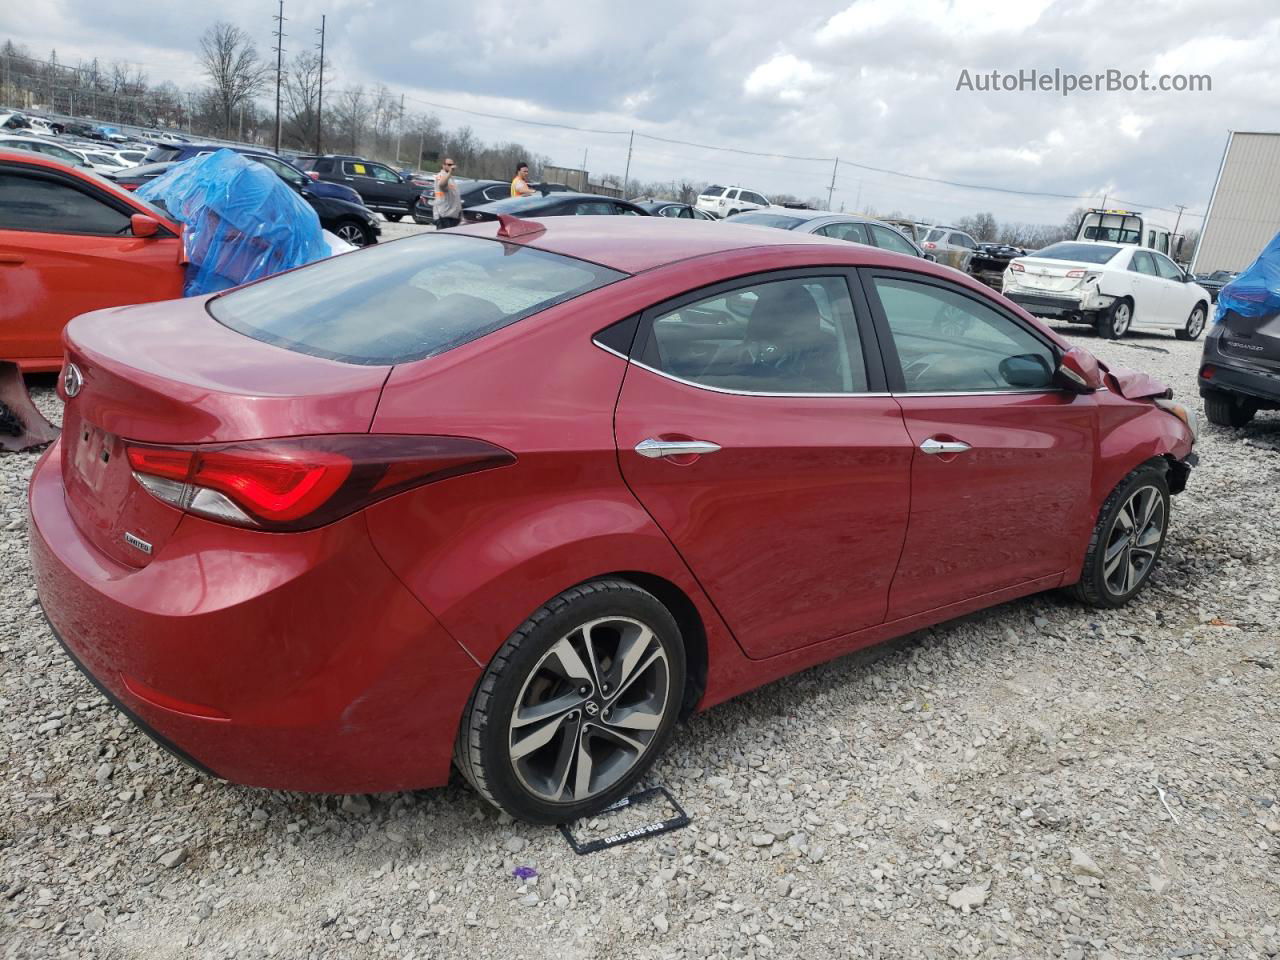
x: 1003, y: 463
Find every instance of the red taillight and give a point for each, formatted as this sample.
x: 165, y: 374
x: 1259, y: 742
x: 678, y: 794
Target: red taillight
x: 129, y: 186
x: 1207, y: 372
x: 929, y: 245
x: 1077, y: 274
x: 1017, y: 268
x: 313, y: 175
x: 302, y: 482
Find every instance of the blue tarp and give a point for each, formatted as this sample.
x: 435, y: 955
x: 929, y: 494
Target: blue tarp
x: 1256, y: 292
x: 241, y: 222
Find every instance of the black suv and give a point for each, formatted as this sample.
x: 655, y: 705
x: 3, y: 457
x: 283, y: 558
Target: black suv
x: 380, y: 187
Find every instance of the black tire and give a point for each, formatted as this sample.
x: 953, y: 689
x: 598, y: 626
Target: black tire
x: 394, y: 217
x: 354, y: 232
x: 1227, y: 410
x: 1098, y: 586
x: 483, y: 750
x: 1195, y: 323
x: 424, y: 221
x: 732, y: 212
x: 1115, y: 323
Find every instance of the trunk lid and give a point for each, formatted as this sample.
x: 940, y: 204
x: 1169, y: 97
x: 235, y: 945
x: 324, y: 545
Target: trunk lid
x: 1255, y: 339
x: 1051, y: 275
x: 169, y: 373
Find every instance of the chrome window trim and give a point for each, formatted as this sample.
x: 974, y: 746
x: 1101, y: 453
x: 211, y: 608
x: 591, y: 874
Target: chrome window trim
x: 726, y: 390
x: 978, y: 393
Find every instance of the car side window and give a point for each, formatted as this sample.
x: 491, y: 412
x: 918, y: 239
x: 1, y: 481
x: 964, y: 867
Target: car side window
x: 669, y: 211
x: 1141, y: 263
x: 853, y: 232
x: 685, y: 213
x: 1167, y: 268
x: 948, y: 342
x: 354, y: 168
x: 385, y: 174
x: 324, y: 166
x: 731, y: 194
x: 755, y: 198
x: 889, y: 239
x: 625, y: 211
x: 594, y: 209
x: 779, y: 336
x: 42, y: 205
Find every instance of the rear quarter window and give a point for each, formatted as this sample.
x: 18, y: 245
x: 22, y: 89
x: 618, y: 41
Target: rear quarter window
x: 405, y: 301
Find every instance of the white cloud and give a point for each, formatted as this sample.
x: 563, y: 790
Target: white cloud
x: 785, y: 78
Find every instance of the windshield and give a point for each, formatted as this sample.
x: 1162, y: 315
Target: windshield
x: 404, y: 301
x: 767, y: 220
x: 1077, y: 252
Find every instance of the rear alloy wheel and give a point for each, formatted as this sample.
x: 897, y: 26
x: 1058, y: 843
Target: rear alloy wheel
x: 1127, y: 539
x: 1195, y: 324
x: 394, y: 217
x: 353, y: 233
x: 576, y: 705
x: 1115, y: 322
x: 1227, y: 410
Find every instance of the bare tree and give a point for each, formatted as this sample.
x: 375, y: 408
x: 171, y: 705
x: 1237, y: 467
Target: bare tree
x: 231, y: 62
x: 349, y: 116
x: 302, y: 91
x: 981, y: 226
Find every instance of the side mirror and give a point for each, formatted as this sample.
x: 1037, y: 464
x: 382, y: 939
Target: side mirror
x: 143, y: 226
x: 1078, y: 371
x: 1027, y: 370
x: 931, y: 258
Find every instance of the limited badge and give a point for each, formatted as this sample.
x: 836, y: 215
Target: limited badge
x: 72, y: 380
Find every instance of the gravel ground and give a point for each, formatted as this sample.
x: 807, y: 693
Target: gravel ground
x: 1038, y: 780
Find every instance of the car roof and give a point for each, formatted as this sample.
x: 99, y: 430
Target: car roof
x: 636, y: 244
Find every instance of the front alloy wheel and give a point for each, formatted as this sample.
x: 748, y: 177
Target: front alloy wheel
x: 576, y: 705
x: 1195, y: 324
x: 1127, y: 539
x: 353, y: 234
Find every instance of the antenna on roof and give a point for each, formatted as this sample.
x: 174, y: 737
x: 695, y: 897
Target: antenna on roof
x: 513, y: 227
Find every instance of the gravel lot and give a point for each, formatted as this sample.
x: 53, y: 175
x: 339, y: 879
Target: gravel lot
x: 1038, y: 780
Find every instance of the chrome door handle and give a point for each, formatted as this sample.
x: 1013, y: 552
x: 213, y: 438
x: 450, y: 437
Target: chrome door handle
x: 655, y: 449
x: 943, y: 446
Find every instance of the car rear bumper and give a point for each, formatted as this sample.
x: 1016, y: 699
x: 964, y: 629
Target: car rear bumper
x: 295, y: 661
x: 1063, y: 305
x: 1230, y: 374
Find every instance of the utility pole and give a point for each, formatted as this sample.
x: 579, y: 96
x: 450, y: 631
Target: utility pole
x: 1181, y: 207
x: 421, y: 137
x: 279, y: 35
x: 320, y: 95
x: 857, y: 204
x: 400, y: 130
x: 832, y: 189
x: 626, y: 177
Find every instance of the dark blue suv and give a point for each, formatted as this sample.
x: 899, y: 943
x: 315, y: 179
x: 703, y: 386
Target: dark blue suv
x: 177, y: 152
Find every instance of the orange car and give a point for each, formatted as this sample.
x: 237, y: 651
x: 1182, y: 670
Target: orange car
x: 71, y: 242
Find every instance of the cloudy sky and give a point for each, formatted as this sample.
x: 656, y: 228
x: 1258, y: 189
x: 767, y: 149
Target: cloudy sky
x: 873, y: 82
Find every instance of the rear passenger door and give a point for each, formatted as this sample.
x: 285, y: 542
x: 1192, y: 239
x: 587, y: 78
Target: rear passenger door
x: 754, y: 426
x: 1002, y: 467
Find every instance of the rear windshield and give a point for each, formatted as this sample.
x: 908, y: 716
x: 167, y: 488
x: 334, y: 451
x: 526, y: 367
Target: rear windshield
x: 1077, y: 252
x: 162, y: 154
x: 712, y: 191
x: 402, y: 301
x: 768, y: 220
x: 935, y: 235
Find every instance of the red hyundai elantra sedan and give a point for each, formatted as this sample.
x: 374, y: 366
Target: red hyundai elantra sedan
x: 520, y: 496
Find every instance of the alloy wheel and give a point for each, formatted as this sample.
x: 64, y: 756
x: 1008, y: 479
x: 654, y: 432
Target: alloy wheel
x: 1196, y: 323
x: 1134, y: 541
x: 1122, y: 318
x: 589, y: 710
x: 351, y: 234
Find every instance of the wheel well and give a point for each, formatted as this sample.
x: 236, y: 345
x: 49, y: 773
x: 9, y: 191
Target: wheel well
x: 1176, y: 473
x: 691, y: 629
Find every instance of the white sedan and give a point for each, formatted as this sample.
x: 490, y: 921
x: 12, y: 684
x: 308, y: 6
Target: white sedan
x: 1114, y: 287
